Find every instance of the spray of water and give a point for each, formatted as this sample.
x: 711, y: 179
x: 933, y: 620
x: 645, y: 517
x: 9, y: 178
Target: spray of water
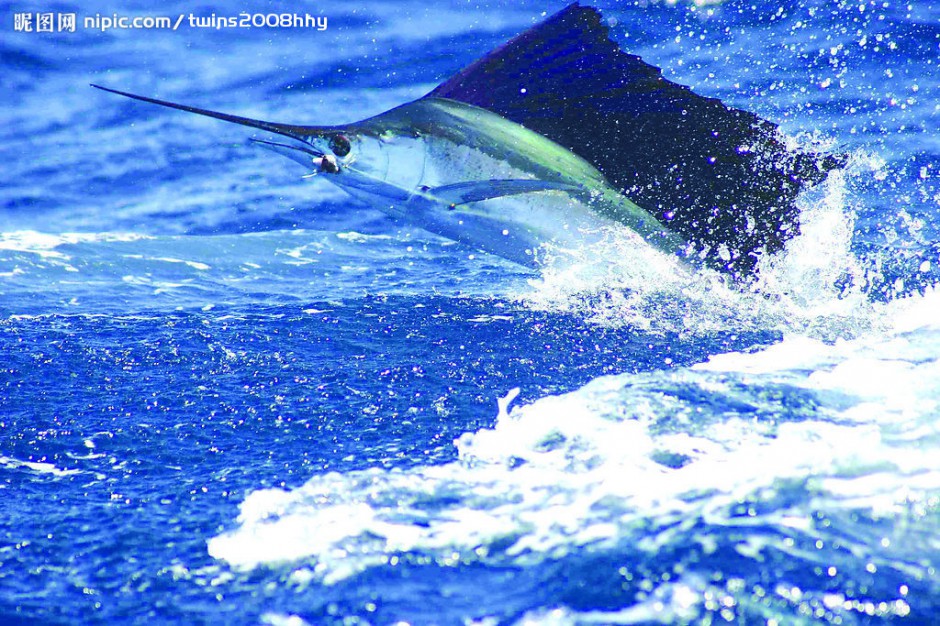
x: 817, y: 286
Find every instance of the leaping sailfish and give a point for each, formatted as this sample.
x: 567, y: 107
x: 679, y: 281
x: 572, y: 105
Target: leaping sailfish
x: 597, y: 137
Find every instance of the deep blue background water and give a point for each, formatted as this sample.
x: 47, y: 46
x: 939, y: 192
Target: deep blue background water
x: 228, y: 395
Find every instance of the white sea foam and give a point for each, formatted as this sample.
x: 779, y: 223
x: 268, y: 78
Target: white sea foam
x: 196, y: 265
x: 45, y: 244
x: 38, y: 467
x: 638, y: 460
x: 279, y: 619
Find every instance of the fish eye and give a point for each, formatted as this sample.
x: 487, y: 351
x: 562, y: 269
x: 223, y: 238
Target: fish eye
x: 340, y: 145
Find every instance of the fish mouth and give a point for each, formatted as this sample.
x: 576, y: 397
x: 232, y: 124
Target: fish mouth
x: 304, y: 154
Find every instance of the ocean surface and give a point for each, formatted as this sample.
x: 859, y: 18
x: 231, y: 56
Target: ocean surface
x: 229, y: 395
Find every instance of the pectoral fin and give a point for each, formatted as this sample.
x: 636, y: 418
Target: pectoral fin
x: 478, y: 190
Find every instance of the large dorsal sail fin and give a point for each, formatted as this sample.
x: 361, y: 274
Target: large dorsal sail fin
x: 716, y: 175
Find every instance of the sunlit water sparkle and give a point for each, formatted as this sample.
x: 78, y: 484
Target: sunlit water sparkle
x: 229, y: 396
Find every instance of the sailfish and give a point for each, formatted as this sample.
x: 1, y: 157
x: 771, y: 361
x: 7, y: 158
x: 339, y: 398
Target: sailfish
x: 558, y: 135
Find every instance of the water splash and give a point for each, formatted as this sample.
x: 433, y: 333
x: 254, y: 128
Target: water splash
x: 818, y: 286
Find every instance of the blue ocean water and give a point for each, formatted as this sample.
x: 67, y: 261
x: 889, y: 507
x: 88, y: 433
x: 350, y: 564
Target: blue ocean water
x: 229, y: 395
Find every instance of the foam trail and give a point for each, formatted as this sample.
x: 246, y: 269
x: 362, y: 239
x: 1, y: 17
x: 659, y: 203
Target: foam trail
x: 650, y: 461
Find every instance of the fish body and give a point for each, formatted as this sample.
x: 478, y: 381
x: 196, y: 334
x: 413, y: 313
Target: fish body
x: 413, y: 163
